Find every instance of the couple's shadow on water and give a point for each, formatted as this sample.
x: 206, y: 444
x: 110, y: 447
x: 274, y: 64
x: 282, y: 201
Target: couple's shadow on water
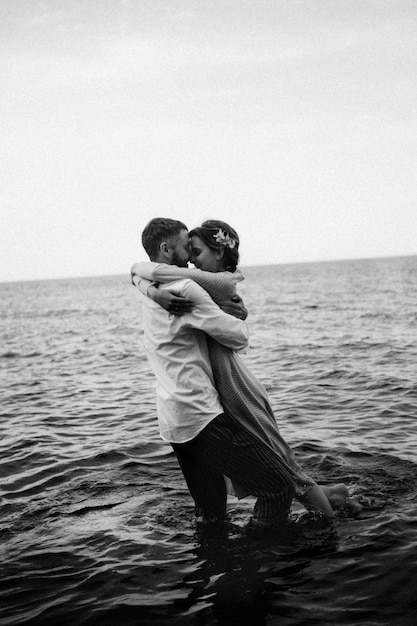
x: 243, y: 574
x: 239, y: 568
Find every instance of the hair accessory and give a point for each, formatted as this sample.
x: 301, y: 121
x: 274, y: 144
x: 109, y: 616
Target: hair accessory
x: 224, y: 239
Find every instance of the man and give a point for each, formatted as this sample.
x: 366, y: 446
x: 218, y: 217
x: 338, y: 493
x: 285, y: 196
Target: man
x: 208, y: 443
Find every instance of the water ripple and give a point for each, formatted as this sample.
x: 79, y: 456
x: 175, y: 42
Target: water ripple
x: 96, y: 522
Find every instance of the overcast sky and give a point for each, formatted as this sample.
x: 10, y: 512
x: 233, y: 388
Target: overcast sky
x: 294, y: 120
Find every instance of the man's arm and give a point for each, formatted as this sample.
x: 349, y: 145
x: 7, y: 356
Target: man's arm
x: 209, y: 318
x: 220, y: 285
x: 168, y: 299
x: 234, y: 306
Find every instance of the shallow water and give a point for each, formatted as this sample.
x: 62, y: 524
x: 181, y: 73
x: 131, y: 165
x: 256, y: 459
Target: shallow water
x: 96, y: 522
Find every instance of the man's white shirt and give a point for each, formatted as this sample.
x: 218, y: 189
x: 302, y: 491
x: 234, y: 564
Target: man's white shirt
x: 177, y: 350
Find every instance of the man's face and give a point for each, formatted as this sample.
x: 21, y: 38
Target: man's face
x: 179, y: 249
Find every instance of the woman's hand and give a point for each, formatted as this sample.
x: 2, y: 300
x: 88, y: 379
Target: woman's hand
x: 171, y: 301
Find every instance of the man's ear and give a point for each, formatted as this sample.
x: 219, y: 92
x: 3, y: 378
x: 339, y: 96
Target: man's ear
x: 163, y: 248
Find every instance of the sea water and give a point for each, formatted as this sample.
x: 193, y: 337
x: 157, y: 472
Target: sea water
x: 96, y: 523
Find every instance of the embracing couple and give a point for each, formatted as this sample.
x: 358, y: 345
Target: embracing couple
x: 212, y: 410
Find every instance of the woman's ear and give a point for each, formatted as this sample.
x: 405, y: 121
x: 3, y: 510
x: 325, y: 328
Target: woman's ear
x: 220, y: 254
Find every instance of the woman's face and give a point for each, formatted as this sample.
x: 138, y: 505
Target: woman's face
x: 203, y: 257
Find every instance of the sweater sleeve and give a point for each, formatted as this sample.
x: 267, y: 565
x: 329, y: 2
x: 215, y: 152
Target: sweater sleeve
x: 220, y: 285
x: 142, y: 284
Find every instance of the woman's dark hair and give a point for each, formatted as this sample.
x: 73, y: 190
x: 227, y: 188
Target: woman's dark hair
x: 158, y: 230
x: 218, y: 235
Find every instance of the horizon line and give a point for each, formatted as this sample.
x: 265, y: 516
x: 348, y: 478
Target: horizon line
x: 282, y: 263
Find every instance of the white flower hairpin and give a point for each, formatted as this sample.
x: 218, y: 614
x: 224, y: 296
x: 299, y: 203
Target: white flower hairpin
x: 224, y: 239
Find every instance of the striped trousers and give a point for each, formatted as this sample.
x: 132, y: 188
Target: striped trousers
x: 225, y: 447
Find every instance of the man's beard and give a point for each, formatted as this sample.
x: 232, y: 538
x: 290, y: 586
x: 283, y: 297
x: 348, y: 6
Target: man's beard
x: 176, y: 260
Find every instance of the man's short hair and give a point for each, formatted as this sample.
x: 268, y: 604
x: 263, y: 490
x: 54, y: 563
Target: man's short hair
x: 158, y: 230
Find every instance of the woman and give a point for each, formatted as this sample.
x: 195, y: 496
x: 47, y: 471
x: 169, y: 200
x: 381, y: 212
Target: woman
x: 215, y: 254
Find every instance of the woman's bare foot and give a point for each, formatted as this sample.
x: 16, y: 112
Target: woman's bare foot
x: 353, y: 507
x: 337, y: 494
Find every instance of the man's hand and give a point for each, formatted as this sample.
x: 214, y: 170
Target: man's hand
x: 234, y: 307
x: 171, y: 301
